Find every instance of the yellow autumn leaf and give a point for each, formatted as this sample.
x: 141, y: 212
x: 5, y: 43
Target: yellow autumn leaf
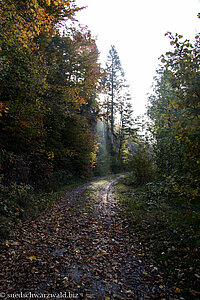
x: 35, y: 3
x: 32, y: 257
x: 144, y: 272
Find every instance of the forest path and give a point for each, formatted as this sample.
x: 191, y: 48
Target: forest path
x: 81, y: 248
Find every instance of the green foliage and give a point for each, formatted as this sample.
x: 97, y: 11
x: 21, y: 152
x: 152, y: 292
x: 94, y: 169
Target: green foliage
x: 174, y: 110
x: 16, y: 199
x: 103, y: 161
x: 61, y: 178
x: 48, y: 107
x: 167, y: 231
x: 15, y: 168
x: 113, y: 82
x: 48, y: 88
x: 142, y: 166
x: 117, y: 110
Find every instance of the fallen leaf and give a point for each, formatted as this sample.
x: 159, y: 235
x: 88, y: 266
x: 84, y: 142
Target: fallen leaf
x: 144, y: 272
x: 32, y: 257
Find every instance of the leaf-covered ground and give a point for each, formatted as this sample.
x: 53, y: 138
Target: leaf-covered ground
x: 82, y: 248
x: 169, y: 232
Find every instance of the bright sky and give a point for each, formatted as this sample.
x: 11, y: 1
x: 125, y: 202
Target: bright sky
x: 136, y: 28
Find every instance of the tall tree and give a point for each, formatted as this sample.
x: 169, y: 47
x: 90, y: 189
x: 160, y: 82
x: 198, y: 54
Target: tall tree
x: 24, y: 20
x: 48, y: 85
x: 125, y: 130
x: 175, y: 111
x: 118, y: 109
x: 114, y: 81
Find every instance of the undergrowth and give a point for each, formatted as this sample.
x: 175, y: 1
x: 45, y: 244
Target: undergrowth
x: 168, y: 230
x: 21, y: 201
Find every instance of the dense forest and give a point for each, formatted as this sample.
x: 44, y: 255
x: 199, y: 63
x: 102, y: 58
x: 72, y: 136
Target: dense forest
x: 50, y: 82
x: 64, y: 118
x: 50, y: 106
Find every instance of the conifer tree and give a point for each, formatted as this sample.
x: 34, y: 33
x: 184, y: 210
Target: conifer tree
x: 114, y: 81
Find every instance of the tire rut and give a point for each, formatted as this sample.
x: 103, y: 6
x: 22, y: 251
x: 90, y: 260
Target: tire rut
x: 91, y: 255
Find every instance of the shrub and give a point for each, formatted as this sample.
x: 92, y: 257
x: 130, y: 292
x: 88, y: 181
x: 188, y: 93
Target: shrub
x: 62, y: 177
x: 142, y: 166
x: 16, y: 200
x: 15, y: 168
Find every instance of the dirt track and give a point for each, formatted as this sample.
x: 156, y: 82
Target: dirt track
x: 82, y: 248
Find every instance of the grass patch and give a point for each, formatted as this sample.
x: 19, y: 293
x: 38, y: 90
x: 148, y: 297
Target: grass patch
x: 169, y: 233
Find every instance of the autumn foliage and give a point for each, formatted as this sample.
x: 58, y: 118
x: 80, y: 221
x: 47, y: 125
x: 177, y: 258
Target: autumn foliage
x: 174, y: 110
x: 48, y: 108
